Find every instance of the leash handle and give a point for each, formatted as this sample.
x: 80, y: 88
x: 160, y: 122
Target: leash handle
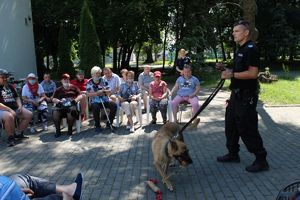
x: 207, y: 101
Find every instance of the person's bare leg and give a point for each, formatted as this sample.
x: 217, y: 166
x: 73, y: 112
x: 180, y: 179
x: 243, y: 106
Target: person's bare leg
x: 9, y: 123
x: 25, y: 117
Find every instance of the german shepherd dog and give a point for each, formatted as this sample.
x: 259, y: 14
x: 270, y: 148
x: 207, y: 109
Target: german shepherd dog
x: 168, y: 144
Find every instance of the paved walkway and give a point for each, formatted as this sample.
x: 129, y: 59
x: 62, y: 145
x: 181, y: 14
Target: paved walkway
x: 116, y: 165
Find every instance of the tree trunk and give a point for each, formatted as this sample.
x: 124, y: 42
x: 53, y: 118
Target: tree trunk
x: 119, y: 57
x: 223, y: 51
x: 164, y: 47
x: 123, y: 61
x: 216, y: 55
x: 138, y: 55
x: 115, y: 57
x: 292, y: 53
x: 249, y: 11
x: 129, y: 53
x: 148, y: 51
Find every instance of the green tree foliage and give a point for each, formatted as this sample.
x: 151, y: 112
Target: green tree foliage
x: 89, y: 46
x: 65, y: 64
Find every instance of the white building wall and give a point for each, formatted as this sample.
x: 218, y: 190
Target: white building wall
x: 17, y: 52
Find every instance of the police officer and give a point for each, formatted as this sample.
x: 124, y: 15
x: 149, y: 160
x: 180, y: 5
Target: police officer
x: 241, y: 116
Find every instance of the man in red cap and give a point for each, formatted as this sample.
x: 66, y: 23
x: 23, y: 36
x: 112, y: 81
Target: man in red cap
x: 158, y: 93
x: 66, y: 98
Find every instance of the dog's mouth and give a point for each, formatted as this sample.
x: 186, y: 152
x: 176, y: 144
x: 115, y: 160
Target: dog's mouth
x: 184, y: 158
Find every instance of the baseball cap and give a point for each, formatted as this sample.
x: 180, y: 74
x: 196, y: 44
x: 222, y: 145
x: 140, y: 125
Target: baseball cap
x: 4, y: 72
x: 157, y: 73
x: 31, y: 75
x: 65, y: 76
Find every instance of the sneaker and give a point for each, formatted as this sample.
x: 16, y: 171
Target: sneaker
x: 45, y: 127
x: 98, y: 130
x: 32, y: 130
x: 11, y: 141
x: 229, y: 158
x: 258, y: 166
x: 131, y: 130
x: 20, y: 136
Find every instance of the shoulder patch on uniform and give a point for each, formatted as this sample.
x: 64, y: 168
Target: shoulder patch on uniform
x: 250, y: 45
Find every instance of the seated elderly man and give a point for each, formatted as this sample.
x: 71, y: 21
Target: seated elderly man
x: 144, y: 80
x: 66, y: 98
x: 187, y: 87
x: 49, y: 86
x: 34, y: 98
x: 113, y: 81
x: 98, y: 92
x: 10, y: 109
x: 25, y: 187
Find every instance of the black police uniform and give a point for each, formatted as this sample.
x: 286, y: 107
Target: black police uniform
x: 241, y: 118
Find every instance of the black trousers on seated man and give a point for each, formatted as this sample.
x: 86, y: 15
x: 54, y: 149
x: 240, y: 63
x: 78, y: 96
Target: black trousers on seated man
x: 241, y: 120
x: 96, y: 111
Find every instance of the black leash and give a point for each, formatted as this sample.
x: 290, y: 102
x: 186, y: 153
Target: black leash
x: 207, y: 101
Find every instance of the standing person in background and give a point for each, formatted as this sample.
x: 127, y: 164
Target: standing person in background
x: 241, y: 118
x: 49, y: 86
x: 181, y: 61
x: 80, y: 81
x: 113, y: 81
x: 144, y: 80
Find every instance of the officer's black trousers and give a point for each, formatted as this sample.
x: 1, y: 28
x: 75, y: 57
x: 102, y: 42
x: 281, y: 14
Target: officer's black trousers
x: 241, y: 121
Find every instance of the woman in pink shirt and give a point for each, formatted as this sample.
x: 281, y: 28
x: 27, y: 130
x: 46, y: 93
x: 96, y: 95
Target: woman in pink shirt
x: 158, y: 92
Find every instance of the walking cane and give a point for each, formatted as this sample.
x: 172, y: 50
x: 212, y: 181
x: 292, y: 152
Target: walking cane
x: 106, y: 115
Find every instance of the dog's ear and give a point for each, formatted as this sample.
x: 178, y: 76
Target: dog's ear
x: 173, y: 144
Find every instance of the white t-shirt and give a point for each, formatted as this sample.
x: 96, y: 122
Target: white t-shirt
x: 27, y: 93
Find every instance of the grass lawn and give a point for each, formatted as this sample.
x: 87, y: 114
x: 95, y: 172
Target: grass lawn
x: 284, y: 91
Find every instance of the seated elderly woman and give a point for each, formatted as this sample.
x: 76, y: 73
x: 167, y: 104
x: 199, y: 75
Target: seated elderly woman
x: 158, y: 97
x: 187, y: 87
x: 128, y: 95
x: 11, y: 108
x: 34, y: 98
x: 66, y: 98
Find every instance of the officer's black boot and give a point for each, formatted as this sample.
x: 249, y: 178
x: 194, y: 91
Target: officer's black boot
x: 260, y: 163
x: 230, y: 157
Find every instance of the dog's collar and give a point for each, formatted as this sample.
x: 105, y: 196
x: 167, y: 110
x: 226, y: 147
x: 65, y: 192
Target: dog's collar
x: 166, y: 149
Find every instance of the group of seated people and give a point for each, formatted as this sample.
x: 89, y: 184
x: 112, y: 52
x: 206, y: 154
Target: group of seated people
x: 104, y: 90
